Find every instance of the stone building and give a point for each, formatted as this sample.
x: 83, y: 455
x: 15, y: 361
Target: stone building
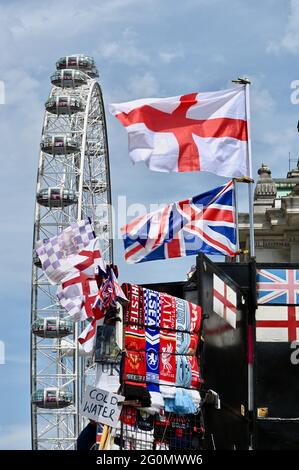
x: 276, y: 218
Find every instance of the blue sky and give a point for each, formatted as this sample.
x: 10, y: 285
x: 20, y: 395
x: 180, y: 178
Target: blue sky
x: 142, y: 48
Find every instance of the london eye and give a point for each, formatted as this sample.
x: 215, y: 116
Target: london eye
x: 73, y: 183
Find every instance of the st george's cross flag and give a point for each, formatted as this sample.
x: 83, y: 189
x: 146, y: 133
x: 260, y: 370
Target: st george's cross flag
x: 87, y: 338
x: 204, y: 223
x: 77, y: 295
x: 224, y: 301
x: 195, y: 132
x: 277, y: 323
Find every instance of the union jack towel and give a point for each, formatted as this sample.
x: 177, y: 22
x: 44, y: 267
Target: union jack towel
x: 204, y: 223
x: 278, y: 286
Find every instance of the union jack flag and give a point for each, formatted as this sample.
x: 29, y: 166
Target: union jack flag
x: 204, y: 223
x: 278, y: 286
x: 110, y: 291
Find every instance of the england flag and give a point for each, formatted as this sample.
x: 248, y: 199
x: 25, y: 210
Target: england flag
x: 204, y: 131
x: 224, y: 301
x: 277, y: 323
x: 77, y: 295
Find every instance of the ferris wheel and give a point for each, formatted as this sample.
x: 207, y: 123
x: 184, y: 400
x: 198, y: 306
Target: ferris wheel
x: 73, y: 183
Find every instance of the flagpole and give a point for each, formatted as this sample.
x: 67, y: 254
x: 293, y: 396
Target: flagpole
x: 249, y: 180
x: 245, y: 82
x: 236, y: 220
x: 250, y: 184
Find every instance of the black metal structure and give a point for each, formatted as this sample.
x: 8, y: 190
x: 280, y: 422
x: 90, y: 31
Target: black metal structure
x: 274, y: 421
x: 262, y: 414
x: 276, y: 418
x: 224, y: 362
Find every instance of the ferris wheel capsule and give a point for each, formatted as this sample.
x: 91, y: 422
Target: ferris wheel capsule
x: 79, y: 62
x: 69, y: 78
x: 59, y: 144
x: 52, y: 397
x: 56, y: 197
x: 52, y: 327
x: 63, y: 105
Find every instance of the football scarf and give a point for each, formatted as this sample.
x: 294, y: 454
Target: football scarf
x: 161, y: 339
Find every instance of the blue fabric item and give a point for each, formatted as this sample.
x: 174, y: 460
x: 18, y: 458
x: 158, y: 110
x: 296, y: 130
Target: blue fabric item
x: 152, y: 335
x: 183, y: 321
x: 183, y: 372
x: 182, y: 403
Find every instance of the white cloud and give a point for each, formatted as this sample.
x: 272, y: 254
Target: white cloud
x: 280, y: 142
x: 261, y: 100
x: 290, y: 40
x: 15, y: 437
x: 68, y: 18
x: 273, y: 135
x: 125, y: 50
x: 143, y: 86
x: 170, y: 55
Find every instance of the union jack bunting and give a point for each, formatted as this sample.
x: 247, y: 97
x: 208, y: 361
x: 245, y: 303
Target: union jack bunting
x: 204, y: 223
x: 110, y: 291
x: 278, y: 286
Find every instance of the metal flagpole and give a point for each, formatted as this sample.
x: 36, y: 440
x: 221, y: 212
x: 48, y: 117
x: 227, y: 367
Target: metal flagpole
x: 250, y: 184
x: 251, y: 234
x: 236, y: 219
x: 245, y: 82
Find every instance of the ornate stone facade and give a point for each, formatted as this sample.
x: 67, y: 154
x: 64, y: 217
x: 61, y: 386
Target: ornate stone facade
x: 276, y: 218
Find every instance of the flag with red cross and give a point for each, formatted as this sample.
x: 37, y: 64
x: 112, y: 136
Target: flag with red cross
x: 277, y: 323
x: 224, y: 301
x: 194, y: 132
